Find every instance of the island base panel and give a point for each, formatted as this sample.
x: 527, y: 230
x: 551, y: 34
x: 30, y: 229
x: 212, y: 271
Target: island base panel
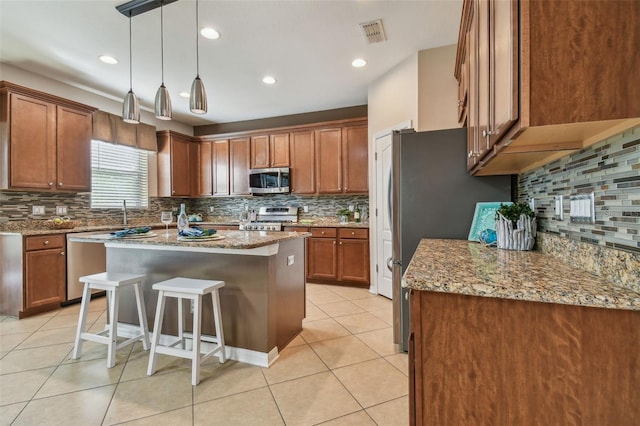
x: 262, y: 301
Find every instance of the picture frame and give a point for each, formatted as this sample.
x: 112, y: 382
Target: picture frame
x: 484, y: 217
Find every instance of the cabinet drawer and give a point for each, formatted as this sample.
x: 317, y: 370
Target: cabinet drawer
x: 45, y: 242
x: 323, y: 232
x: 360, y: 233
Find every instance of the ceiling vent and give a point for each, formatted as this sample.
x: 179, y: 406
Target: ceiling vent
x: 373, y: 31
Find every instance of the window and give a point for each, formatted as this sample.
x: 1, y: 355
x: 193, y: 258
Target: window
x: 118, y: 172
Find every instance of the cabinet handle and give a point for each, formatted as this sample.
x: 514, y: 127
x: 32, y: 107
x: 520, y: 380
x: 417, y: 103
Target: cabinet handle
x: 50, y: 183
x: 340, y: 242
x: 459, y: 102
x: 470, y: 154
x: 486, y: 133
x: 334, y: 243
x: 353, y: 233
x: 46, y: 243
x: 61, y: 253
x: 59, y: 183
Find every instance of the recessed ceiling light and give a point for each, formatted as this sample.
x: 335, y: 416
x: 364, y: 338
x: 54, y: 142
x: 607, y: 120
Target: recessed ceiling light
x: 108, y: 59
x: 268, y: 80
x: 210, y: 33
x: 184, y: 94
x: 358, y: 63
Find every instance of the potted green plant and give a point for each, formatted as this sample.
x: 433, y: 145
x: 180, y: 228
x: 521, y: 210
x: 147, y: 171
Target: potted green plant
x: 343, y: 215
x: 515, y: 226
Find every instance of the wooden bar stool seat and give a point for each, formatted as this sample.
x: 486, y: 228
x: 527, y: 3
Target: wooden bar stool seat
x: 111, y: 283
x: 192, y: 289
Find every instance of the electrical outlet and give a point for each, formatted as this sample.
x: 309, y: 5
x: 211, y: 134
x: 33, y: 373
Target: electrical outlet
x: 352, y: 208
x: 191, y: 304
x: 305, y: 209
x: 61, y: 209
x: 37, y: 210
x: 557, y: 207
x: 290, y: 260
x: 532, y: 204
x: 210, y: 209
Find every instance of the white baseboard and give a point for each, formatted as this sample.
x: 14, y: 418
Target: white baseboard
x: 260, y: 359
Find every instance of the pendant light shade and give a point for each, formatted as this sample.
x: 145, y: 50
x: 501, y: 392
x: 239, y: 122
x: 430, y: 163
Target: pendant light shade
x: 198, y: 96
x: 130, y: 106
x: 163, y: 100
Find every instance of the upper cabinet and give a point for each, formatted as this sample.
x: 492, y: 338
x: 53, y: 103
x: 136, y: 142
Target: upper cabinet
x: 342, y: 157
x: 541, y: 79
x: 223, y: 167
x: 303, y: 160
x: 177, y: 163
x: 270, y: 151
x: 45, y: 143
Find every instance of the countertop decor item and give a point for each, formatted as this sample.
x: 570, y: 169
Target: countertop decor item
x: 516, y: 227
x: 484, y: 218
x: 60, y: 223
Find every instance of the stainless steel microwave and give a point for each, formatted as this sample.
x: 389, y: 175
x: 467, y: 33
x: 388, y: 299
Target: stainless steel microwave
x: 269, y: 181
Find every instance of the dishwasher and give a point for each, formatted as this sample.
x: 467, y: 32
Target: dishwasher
x: 83, y: 259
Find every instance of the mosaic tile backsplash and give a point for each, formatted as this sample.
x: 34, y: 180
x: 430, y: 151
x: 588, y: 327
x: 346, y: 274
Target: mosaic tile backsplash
x: 16, y: 206
x: 610, y: 169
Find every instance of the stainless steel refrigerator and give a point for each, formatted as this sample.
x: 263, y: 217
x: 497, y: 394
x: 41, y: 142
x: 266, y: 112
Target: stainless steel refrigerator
x: 433, y: 196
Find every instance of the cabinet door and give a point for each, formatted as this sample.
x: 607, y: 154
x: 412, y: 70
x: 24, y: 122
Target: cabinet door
x: 33, y: 143
x: 482, y: 22
x: 329, y: 160
x: 353, y: 260
x: 44, y: 277
x: 279, y: 150
x: 221, y: 167
x: 239, y: 166
x: 180, y: 182
x: 472, y: 114
x: 503, y: 26
x: 322, y: 258
x: 205, y: 169
x: 303, y: 177
x: 355, y: 159
x: 259, y: 152
x: 74, y: 133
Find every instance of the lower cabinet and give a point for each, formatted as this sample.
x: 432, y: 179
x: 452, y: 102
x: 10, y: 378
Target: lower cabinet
x: 44, y: 272
x: 338, y: 256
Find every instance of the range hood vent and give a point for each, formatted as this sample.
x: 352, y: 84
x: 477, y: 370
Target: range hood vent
x: 373, y: 31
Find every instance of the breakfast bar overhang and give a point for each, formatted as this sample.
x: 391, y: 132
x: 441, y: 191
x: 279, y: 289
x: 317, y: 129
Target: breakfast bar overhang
x: 262, y: 302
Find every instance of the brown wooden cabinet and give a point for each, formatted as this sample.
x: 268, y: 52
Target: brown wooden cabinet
x: 488, y: 361
x: 239, y: 157
x: 46, y: 142
x: 329, y: 160
x: 44, y: 272
x: 177, y: 165
x: 355, y: 157
x: 303, y: 159
x: 270, y: 151
x: 338, y: 256
x: 546, y: 82
x: 205, y: 169
x: 220, y: 158
x: 341, y: 160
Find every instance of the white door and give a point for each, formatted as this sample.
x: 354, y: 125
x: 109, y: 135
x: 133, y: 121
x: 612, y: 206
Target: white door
x: 383, y: 222
x: 384, y: 238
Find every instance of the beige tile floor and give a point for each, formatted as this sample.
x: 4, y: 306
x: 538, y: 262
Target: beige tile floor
x: 342, y: 369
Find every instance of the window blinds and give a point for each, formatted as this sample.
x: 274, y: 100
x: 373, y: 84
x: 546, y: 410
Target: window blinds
x: 118, y: 172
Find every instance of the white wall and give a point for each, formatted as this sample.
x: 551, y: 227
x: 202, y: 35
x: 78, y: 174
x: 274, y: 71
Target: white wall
x: 437, y: 89
x: 103, y: 102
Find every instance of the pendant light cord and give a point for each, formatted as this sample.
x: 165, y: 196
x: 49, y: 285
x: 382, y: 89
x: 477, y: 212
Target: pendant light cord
x: 197, y: 43
x: 130, y: 57
x: 162, y: 42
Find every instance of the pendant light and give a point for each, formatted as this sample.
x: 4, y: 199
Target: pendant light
x: 198, y: 96
x: 130, y: 107
x: 163, y: 100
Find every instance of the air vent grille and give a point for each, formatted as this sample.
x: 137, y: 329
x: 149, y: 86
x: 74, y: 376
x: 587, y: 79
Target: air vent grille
x: 373, y: 31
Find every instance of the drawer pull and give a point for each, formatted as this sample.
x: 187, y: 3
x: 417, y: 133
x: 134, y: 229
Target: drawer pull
x: 334, y: 243
x: 59, y: 183
x: 50, y: 183
x: 61, y: 253
x: 353, y: 233
x: 322, y: 232
x: 340, y: 242
x: 46, y: 243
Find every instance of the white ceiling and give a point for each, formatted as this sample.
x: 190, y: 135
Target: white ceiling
x: 307, y: 45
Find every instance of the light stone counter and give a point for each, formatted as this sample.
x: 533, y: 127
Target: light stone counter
x: 464, y: 267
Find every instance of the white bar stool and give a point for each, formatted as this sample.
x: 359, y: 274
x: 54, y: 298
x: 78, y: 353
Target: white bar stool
x: 111, y: 283
x: 192, y: 289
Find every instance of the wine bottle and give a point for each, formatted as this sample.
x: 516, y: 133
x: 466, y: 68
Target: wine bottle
x: 183, y: 221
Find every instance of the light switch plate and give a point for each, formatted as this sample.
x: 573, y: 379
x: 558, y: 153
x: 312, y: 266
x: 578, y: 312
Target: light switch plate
x: 61, y: 209
x: 305, y: 209
x: 557, y: 208
x: 37, y: 210
x: 290, y: 260
x: 582, y: 208
x: 532, y: 204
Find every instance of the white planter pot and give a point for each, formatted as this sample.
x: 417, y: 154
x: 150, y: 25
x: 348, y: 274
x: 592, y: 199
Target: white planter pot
x: 523, y: 237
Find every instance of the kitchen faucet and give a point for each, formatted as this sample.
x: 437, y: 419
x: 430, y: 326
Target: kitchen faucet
x: 124, y: 212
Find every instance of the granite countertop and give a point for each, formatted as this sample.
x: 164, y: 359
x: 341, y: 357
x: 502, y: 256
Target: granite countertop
x: 38, y: 227
x: 229, y: 240
x: 464, y: 267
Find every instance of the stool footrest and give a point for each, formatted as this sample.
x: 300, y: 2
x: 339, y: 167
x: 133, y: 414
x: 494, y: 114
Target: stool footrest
x: 95, y: 338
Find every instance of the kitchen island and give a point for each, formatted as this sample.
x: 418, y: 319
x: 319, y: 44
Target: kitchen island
x: 262, y: 302
x: 502, y: 337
